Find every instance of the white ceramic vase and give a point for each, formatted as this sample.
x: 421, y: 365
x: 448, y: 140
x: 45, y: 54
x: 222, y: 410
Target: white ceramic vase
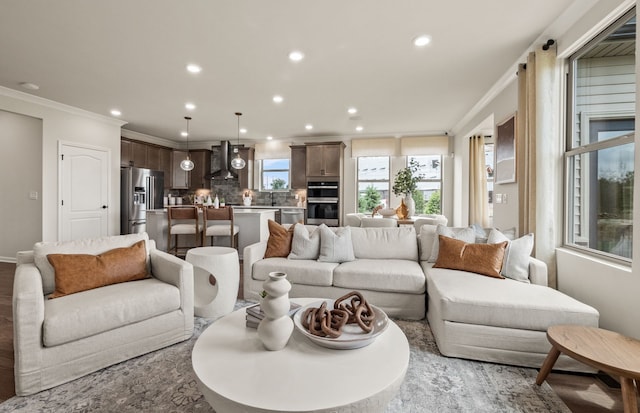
x: 276, y: 327
x: 410, y: 203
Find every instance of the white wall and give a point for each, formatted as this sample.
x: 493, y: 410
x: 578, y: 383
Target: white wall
x: 21, y: 189
x: 499, y: 109
x: 61, y: 122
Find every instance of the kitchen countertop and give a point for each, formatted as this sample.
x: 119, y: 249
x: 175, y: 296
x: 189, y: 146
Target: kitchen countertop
x: 237, y: 208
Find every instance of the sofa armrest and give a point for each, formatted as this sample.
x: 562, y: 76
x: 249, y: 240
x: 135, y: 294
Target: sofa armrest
x: 251, y: 254
x: 538, y: 272
x: 173, y: 270
x: 28, y: 317
x: 24, y: 257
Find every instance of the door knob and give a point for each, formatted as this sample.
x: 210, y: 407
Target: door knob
x: 104, y: 207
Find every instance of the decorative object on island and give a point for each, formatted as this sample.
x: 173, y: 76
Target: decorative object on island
x: 187, y: 164
x: 238, y: 162
x: 276, y: 328
x: 246, y: 198
x: 406, y: 182
x: 402, y: 211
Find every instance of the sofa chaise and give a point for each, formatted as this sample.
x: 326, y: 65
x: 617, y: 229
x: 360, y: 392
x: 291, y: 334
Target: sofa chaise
x: 472, y: 316
x: 60, y: 339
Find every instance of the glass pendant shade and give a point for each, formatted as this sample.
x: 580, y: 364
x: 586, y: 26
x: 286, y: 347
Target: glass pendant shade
x: 187, y: 164
x: 238, y: 162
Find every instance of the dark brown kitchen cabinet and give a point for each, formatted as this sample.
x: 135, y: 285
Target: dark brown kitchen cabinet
x: 298, y: 166
x: 201, y: 170
x: 159, y: 159
x: 324, y: 159
x: 245, y: 175
x: 179, y: 178
x: 126, y: 158
x: 139, y: 154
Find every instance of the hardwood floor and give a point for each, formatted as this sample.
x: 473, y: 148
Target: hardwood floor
x: 581, y: 393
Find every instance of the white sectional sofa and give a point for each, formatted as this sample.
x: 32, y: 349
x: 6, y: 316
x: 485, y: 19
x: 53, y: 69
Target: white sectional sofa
x: 386, y: 270
x: 61, y: 339
x: 472, y: 316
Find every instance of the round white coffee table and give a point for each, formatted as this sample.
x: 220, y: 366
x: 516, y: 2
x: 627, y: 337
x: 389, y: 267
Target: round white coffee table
x: 216, y: 278
x: 236, y: 374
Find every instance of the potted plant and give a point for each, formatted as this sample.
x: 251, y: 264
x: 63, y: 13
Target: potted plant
x: 406, y: 182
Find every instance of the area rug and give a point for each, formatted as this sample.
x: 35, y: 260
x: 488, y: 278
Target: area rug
x: 163, y: 381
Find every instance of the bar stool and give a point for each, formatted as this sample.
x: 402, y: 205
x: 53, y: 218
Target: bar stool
x: 218, y: 222
x: 182, y: 221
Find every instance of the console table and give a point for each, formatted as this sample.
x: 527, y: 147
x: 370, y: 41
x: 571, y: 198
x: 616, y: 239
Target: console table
x: 236, y: 374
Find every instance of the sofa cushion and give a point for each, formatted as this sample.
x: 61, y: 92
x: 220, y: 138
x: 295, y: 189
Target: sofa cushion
x: 465, y: 297
x: 310, y: 272
x: 279, y: 242
x: 466, y: 234
x: 516, y: 257
x: 335, y: 246
x: 384, y: 243
x: 305, y: 244
x: 92, y: 246
x: 485, y: 259
x: 80, y: 272
x: 92, y: 312
x: 387, y: 275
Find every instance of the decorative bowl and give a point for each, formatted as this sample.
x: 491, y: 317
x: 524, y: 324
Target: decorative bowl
x: 352, y: 335
x: 387, y: 212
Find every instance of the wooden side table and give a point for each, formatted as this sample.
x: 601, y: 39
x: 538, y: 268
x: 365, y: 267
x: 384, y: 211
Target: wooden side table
x: 606, y: 350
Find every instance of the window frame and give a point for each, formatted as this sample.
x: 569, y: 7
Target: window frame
x: 388, y: 180
x: 574, y: 150
x: 439, y: 181
x: 262, y: 171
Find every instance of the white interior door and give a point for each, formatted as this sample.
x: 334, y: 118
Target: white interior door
x: 84, y: 190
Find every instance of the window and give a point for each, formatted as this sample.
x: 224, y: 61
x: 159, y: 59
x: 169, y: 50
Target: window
x: 373, y: 182
x: 428, y: 196
x: 489, y: 161
x: 274, y: 174
x: 599, y: 160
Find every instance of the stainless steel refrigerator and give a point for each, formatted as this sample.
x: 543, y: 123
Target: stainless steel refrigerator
x: 141, y: 190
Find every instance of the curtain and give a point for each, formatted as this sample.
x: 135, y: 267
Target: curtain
x: 478, y: 196
x: 539, y: 150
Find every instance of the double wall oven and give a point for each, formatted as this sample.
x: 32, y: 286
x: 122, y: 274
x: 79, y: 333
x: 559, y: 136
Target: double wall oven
x: 323, y: 201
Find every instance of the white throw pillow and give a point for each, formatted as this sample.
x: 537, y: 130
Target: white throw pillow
x: 305, y: 244
x: 335, y: 246
x: 467, y: 235
x: 516, y: 256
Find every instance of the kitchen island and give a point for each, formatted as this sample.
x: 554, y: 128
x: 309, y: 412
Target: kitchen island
x: 251, y: 221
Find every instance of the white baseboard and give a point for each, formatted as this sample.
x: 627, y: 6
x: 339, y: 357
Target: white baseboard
x: 8, y: 259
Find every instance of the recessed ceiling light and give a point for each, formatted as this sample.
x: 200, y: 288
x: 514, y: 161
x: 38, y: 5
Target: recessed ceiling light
x: 269, y: 137
x: 308, y: 126
x: 116, y: 112
x: 30, y: 86
x: 296, y: 56
x: 189, y: 106
x: 278, y: 99
x: 243, y: 130
x: 352, y: 111
x: 184, y: 134
x: 193, y: 68
x: 422, y: 40
x: 359, y: 128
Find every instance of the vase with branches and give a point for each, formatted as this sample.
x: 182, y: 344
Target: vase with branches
x: 406, y: 181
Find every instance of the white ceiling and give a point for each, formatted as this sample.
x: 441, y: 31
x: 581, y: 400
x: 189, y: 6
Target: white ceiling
x: 131, y: 55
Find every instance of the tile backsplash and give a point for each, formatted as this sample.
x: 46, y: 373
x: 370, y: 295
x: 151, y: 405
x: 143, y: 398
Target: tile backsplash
x: 232, y: 193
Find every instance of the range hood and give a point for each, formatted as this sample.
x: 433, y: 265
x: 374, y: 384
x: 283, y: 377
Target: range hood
x: 221, y: 162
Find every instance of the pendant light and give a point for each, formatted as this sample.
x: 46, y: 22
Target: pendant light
x: 238, y: 162
x: 187, y: 164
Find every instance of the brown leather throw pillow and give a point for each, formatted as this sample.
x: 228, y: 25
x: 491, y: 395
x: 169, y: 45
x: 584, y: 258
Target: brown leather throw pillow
x: 280, y: 238
x: 485, y: 259
x: 80, y: 272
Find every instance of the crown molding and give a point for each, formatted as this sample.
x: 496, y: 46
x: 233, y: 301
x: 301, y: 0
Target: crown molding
x: 37, y: 100
x: 126, y: 133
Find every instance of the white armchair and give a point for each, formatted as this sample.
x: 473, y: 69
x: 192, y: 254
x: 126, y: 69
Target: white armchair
x: 61, y: 339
